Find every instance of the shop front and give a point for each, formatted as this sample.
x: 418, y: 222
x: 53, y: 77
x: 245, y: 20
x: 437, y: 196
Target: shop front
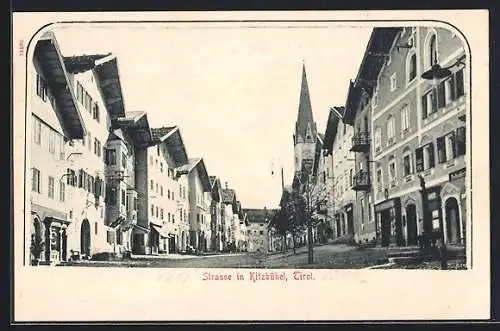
x: 49, y: 238
x: 389, y: 225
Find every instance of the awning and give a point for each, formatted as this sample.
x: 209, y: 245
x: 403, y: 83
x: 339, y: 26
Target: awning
x: 117, y: 222
x: 140, y: 228
x: 162, y: 232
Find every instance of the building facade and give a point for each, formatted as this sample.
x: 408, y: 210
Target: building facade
x: 216, y: 215
x: 417, y: 136
x: 339, y: 145
x: 199, y: 203
x: 55, y: 122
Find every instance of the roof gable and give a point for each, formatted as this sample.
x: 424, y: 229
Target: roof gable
x: 49, y: 57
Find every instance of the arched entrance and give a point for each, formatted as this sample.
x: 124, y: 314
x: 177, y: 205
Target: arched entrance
x: 85, y: 238
x: 452, y: 220
x: 411, y: 224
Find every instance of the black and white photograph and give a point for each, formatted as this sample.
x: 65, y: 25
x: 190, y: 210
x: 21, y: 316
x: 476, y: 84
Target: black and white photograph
x: 273, y: 148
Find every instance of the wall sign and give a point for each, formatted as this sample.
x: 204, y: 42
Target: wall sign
x: 457, y: 174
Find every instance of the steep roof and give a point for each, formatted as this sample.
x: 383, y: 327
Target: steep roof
x: 160, y: 134
x: 172, y: 138
x: 199, y: 165
x: 105, y: 68
x: 331, y: 127
x: 51, y: 62
x: 376, y: 52
x: 137, y: 125
x: 305, y: 121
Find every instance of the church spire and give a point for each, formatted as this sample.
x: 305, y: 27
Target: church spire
x: 305, y: 128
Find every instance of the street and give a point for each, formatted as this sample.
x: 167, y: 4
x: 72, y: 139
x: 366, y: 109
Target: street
x: 333, y: 256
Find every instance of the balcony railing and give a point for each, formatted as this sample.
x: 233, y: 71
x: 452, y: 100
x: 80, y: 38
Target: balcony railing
x: 361, y: 181
x: 361, y: 141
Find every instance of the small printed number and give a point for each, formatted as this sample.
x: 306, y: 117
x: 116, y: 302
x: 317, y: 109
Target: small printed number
x: 21, y: 47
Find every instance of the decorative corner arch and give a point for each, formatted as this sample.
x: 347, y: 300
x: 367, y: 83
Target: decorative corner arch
x: 449, y: 190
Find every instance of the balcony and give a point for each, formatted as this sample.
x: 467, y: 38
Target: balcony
x: 361, y: 142
x: 361, y: 181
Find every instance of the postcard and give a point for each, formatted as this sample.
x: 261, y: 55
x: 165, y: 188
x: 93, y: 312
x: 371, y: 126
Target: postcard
x: 243, y: 166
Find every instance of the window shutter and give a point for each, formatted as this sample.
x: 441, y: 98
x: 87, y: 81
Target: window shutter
x: 434, y: 98
x: 441, y: 150
x: 431, y: 155
x: 80, y: 178
x: 419, y: 157
x: 459, y: 82
x: 460, y: 141
x: 424, y: 106
x: 452, y: 88
x: 441, y: 95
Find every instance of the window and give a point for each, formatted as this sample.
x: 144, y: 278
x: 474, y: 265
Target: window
x: 392, y: 173
x: 95, y: 112
x: 161, y: 213
x: 97, y: 147
x: 158, y: 150
x: 135, y: 204
x: 123, y: 199
x: 432, y: 51
x: 459, y: 83
x: 110, y: 157
x: 198, y: 218
x: 460, y: 141
x: 405, y: 118
x: 369, y: 209
x: 173, y: 218
x: 261, y: 232
x: 161, y: 190
x: 111, y: 195
x: 161, y: 167
x: 152, y: 185
x: 379, y: 180
x: 173, y: 195
x: 157, y: 212
x: 152, y: 210
x: 429, y: 103
x: 95, y: 227
x: 407, y: 164
x: 390, y: 130
x: 151, y: 159
x: 37, y: 131
x: 351, y: 183
x: 411, y: 66
x: 119, y: 236
x: 169, y: 217
x: 157, y: 188
x: 35, y: 180
x: 62, y: 191
x: 394, y: 81
x: 62, y: 152
x: 41, y: 87
x: 124, y: 160
x: 425, y: 157
x: 52, y: 141
x: 79, y: 92
x: 378, y: 138
x: 447, y: 147
x: 51, y: 187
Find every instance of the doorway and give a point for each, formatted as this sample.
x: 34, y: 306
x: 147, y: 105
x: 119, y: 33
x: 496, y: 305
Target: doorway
x: 85, y: 238
x: 385, y: 227
x: 411, y: 224
x: 350, y: 222
x: 64, y: 245
x: 452, y: 221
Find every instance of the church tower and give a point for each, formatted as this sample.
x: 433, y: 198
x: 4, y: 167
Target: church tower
x: 305, y: 136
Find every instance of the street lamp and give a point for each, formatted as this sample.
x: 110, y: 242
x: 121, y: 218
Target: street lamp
x: 436, y: 72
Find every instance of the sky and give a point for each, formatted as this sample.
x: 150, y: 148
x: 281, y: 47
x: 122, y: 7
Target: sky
x: 232, y: 90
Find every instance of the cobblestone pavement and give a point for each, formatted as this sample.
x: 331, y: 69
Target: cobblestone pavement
x: 331, y: 256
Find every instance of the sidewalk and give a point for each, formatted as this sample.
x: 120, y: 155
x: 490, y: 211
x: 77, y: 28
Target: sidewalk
x: 179, y: 256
